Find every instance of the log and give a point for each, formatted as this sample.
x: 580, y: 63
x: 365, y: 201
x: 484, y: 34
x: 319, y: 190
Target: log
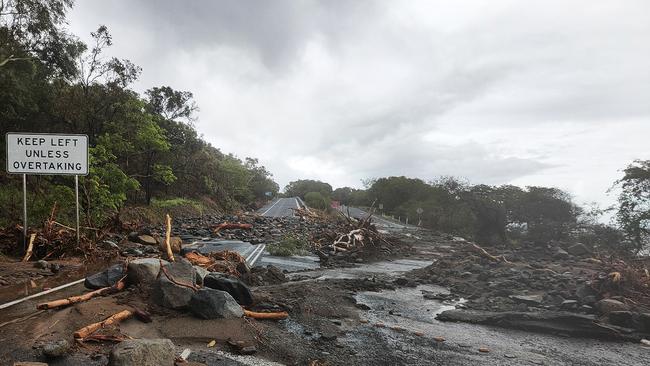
x: 272, y: 316
x: 168, y: 233
x: 85, y: 297
x: 92, y: 328
x: 30, y: 248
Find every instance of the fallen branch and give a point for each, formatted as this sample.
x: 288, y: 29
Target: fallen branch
x: 271, y: 316
x: 85, y: 297
x: 113, y: 319
x: 30, y: 248
x: 168, y: 233
x: 489, y: 256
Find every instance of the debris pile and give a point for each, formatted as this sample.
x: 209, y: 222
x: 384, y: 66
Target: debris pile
x: 534, y: 279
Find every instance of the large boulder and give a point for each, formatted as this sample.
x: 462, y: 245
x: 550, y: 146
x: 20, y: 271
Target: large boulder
x: 606, y: 306
x: 200, y: 274
x: 240, y: 292
x: 173, y: 287
x: 214, y: 304
x: 147, y: 240
x: 144, y: 270
x: 143, y: 352
x: 105, y: 279
x: 175, y: 242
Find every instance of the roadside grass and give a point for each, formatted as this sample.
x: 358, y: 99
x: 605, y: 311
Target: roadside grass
x: 175, y: 202
x: 288, y: 246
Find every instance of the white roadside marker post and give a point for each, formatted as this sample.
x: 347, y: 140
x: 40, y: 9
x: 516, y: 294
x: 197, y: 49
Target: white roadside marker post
x: 24, y: 211
x: 76, y: 191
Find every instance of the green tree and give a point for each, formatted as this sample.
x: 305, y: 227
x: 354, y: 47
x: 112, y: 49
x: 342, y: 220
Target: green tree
x: 634, y: 204
x: 300, y: 188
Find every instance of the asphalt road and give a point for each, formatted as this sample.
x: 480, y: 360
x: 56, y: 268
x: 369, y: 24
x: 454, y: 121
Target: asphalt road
x: 280, y: 207
x: 377, y: 219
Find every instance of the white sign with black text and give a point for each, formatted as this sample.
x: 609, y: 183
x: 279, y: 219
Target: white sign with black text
x: 51, y: 154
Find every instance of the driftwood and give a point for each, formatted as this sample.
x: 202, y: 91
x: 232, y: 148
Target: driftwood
x: 85, y: 297
x: 168, y: 233
x: 489, y: 256
x: 113, y: 319
x: 30, y: 248
x: 271, y: 316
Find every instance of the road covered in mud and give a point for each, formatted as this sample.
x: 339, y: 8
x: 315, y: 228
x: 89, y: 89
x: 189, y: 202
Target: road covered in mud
x: 382, y: 304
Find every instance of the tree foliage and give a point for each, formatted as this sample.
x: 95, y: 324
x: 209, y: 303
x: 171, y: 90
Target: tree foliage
x: 634, y: 204
x: 142, y: 146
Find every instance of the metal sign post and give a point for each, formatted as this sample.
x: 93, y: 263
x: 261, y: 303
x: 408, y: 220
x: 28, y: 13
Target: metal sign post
x: 419, y: 211
x: 24, y: 211
x: 76, y: 193
x: 47, y: 154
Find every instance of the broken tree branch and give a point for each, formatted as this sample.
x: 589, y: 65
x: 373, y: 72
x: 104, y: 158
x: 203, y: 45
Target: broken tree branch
x: 113, y: 319
x: 85, y: 297
x: 489, y: 256
x: 168, y: 233
x: 30, y: 248
x: 270, y: 316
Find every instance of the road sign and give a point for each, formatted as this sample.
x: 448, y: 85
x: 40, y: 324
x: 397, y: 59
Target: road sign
x: 381, y: 206
x: 419, y: 211
x: 50, y: 154
x: 53, y: 154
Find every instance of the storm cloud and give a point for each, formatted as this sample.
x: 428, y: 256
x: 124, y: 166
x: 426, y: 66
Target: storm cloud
x: 521, y: 92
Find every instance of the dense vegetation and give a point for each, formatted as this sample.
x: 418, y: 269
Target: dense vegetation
x: 142, y: 146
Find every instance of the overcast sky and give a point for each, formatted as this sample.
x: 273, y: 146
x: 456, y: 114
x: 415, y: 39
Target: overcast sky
x: 553, y: 93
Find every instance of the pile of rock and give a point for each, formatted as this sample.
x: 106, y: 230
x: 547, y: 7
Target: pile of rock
x: 180, y: 286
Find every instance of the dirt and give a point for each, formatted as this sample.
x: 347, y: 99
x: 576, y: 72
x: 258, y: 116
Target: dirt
x: 378, y: 307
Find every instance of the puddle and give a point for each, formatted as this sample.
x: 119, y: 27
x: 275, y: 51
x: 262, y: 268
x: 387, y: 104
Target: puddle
x: 405, y: 303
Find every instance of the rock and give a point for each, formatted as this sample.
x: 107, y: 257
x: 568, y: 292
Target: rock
x: 146, y: 240
x: 578, y: 249
x: 144, y: 270
x: 170, y: 295
x: 56, y: 349
x: 175, y: 242
x: 105, y: 279
x: 580, y: 325
x: 41, y: 264
x: 528, y: 299
x: 606, y: 306
x: 560, y: 254
x: 55, y: 267
x: 625, y: 319
x: 248, y: 350
x: 569, y: 305
x: 328, y: 336
x: 234, y: 287
x: 109, y: 245
x: 200, y: 274
x: 143, y: 352
x: 214, y: 304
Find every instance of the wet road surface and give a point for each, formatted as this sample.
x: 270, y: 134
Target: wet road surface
x: 280, y: 207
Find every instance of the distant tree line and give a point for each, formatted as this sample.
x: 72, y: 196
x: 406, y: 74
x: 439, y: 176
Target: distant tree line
x: 502, y: 215
x: 142, y: 146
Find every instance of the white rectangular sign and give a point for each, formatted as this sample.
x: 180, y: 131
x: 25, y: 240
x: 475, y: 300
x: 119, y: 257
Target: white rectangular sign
x: 52, y: 154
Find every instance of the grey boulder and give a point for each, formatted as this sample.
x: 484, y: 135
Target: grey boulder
x: 240, y: 292
x: 214, y: 304
x: 144, y: 270
x: 105, y: 279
